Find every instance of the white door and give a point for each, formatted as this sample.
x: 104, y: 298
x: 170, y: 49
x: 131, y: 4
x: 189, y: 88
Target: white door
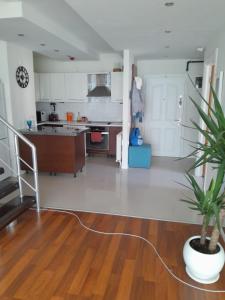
x: 163, y: 114
x: 4, y: 139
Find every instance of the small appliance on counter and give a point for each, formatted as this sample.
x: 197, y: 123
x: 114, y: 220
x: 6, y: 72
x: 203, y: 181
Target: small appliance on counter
x: 41, y: 116
x: 84, y: 119
x: 53, y: 117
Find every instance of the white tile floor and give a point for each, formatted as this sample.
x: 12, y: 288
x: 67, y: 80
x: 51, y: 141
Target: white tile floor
x: 105, y: 188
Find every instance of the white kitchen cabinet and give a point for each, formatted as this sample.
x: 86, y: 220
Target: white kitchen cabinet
x: 117, y: 86
x: 37, y: 86
x: 76, y: 87
x: 57, y: 87
x: 45, y: 88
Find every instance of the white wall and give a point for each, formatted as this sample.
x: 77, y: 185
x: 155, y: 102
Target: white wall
x: 158, y: 67
x: 106, y: 63
x: 177, y: 67
x: 214, y: 54
x: 20, y: 103
x: 22, y: 99
x: 4, y: 77
x: 218, y: 42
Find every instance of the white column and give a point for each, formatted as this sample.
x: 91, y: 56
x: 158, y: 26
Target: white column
x: 128, y: 60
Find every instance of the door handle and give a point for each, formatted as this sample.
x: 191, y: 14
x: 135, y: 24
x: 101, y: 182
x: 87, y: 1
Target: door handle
x: 178, y: 122
x: 180, y: 101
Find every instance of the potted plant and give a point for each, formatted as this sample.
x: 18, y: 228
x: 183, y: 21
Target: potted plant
x: 204, y: 256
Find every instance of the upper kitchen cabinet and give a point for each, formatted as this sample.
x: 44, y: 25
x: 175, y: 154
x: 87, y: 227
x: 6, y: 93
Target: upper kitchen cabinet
x: 57, y: 86
x: 76, y: 87
x: 37, y: 86
x: 45, y: 90
x: 117, y: 86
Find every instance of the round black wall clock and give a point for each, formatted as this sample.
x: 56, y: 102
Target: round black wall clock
x: 22, y: 77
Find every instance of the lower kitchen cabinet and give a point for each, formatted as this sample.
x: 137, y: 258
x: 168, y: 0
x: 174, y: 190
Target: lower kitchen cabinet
x: 113, y: 131
x: 57, y: 154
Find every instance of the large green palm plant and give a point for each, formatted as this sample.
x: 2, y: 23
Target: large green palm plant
x: 210, y: 203
x: 213, y: 149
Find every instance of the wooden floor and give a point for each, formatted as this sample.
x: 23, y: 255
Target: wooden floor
x: 52, y: 257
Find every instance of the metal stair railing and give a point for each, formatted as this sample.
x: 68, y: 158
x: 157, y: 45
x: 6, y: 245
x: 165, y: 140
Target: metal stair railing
x: 18, y: 136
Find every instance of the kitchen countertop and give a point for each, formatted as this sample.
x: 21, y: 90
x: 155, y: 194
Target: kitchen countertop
x: 88, y: 124
x: 60, y: 131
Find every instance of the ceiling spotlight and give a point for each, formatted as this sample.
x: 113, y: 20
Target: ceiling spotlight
x: 21, y: 34
x: 168, y: 31
x: 169, y: 4
x: 200, y: 49
x: 42, y: 44
x: 56, y: 50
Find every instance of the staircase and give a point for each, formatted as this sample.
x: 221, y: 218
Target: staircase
x: 12, y: 201
x: 11, y: 209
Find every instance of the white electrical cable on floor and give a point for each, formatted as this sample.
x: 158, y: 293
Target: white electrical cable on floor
x: 138, y: 237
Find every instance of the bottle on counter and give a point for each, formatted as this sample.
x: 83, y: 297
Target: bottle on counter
x: 78, y: 117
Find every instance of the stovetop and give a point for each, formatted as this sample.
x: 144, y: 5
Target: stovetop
x: 100, y: 122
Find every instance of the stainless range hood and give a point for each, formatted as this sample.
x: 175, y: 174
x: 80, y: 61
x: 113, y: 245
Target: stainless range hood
x: 100, y: 91
x: 99, y: 85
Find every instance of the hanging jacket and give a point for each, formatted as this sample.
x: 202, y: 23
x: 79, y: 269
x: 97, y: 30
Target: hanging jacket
x: 137, y: 104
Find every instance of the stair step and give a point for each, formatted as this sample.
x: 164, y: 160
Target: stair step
x: 12, y: 209
x: 2, y: 171
x: 8, y: 186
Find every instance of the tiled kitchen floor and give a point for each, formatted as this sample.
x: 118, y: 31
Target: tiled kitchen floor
x: 103, y: 187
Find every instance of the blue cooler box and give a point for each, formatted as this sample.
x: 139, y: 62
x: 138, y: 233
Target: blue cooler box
x: 140, y: 156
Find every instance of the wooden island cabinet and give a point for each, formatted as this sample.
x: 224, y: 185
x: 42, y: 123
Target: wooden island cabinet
x: 55, y: 153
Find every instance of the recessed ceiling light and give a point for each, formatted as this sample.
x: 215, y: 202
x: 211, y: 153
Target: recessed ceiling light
x: 56, y: 50
x: 200, y: 49
x: 42, y: 44
x: 168, y: 31
x: 21, y: 34
x: 169, y: 4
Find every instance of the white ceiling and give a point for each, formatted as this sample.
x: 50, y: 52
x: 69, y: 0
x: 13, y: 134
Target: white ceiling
x: 139, y: 25
x: 86, y: 28
x: 53, y: 23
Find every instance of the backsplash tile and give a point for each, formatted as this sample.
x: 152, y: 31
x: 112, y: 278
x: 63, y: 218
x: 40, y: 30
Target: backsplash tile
x: 95, y: 111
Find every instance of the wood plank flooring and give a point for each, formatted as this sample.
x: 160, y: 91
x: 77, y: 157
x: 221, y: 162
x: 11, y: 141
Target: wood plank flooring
x: 51, y: 257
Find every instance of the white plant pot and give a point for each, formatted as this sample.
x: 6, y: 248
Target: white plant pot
x: 203, y: 268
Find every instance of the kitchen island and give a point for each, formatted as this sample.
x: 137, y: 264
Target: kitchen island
x: 59, y: 149
x: 109, y: 131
